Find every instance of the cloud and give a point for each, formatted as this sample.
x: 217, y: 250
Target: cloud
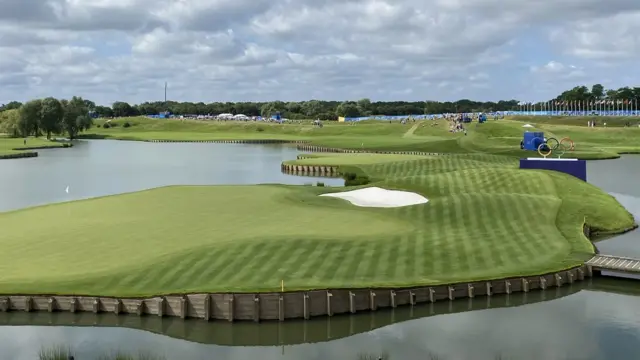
x: 248, y: 50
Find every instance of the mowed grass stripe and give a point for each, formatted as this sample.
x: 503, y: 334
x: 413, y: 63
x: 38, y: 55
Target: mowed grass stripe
x: 480, y: 222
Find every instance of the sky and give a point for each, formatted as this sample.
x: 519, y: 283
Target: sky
x: 294, y: 50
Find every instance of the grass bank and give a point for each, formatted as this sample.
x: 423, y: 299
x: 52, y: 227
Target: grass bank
x: 501, y: 137
x: 11, y: 146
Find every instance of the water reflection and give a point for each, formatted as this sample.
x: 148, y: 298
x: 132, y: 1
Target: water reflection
x: 579, y: 324
x: 619, y: 178
x: 298, y: 332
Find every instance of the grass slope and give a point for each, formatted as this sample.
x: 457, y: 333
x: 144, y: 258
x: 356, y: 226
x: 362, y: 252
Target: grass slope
x: 500, y: 137
x: 485, y: 219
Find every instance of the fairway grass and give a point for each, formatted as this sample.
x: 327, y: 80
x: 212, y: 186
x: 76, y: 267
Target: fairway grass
x: 485, y: 219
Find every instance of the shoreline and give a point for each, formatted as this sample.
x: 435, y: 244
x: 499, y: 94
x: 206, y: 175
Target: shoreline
x: 282, y: 306
x: 26, y: 152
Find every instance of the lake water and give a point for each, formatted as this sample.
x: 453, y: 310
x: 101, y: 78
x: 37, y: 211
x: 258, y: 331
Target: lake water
x: 597, y: 319
x: 106, y: 167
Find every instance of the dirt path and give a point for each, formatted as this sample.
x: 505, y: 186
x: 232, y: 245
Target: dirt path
x: 410, y: 132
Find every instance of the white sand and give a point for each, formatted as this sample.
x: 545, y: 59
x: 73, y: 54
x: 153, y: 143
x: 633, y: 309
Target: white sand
x: 378, y: 197
x: 527, y: 125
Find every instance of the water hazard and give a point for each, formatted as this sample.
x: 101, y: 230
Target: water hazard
x: 596, y: 319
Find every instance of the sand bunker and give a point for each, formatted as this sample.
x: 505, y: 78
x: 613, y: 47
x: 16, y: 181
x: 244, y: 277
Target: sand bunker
x: 527, y: 125
x: 378, y: 197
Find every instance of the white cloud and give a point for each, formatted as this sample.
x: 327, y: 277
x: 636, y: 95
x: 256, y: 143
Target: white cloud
x: 233, y: 50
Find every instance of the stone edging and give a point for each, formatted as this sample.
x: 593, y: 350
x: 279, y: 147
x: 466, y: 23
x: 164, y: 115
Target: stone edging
x: 264, y: 141
x: 286, y: 305
x: 20, y: 155
x: 321, y: 149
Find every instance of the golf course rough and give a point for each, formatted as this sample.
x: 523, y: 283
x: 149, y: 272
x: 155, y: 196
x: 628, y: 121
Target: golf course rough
x: 485, y: 218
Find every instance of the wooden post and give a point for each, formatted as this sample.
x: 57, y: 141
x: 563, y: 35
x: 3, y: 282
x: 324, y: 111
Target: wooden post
x: 305, y: 305
x: 352, y: 302
x: 4, y: 304
x: 392, y: 295
x: 580, y: 274
x: 117, y: 306
x: 281, y: 307
x: 589, y: 271
x: 543, y: 283
x: 570, y: 275
x: 96, y: 305
x: 558, y: 280
x: 184, y: 307
x: 451, y: 293
x: 372, y: 299
x: 27, y: 303
x: 488, y: 286
x: 412, y: 298
x: 507, y: 286
x: 72, y: 304
x: 470, y: 292
x: 160, y: 304
x: 140, y: 308
x: 432, y: 295
x: 207, y: 307
x: 50, y: 305
x: 329, y: 295
x: 256, y: 308
x: 525, y: 285
x: 230, y: 308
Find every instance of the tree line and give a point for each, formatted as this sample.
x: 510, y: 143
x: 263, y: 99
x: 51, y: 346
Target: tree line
x: 331, y: 110
x: 46, y: 117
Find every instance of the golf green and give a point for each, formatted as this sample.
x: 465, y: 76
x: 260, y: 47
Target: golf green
x: 485, y: 219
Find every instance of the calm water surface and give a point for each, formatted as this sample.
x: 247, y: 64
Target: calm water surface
x: 599, y: 319
x: 106, y: 167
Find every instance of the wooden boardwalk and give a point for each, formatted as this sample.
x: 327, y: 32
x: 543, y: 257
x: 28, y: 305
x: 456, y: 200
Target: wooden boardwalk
x: 614, y: 263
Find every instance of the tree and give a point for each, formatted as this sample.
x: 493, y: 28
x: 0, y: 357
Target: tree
x: 105, y: 111
x: 122, y: 109
x: 30, y: 113
x: 9, y: 122
x: 76, y: 117
x: 364, y: 107
x: 51, y: 113
x: 13, y: 105
x: 348, y: 109
x: 597, y: 91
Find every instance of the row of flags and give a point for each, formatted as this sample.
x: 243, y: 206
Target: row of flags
x: 582, y: 103
x: 627, y: 104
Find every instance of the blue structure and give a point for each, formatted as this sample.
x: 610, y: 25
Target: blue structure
x: 573, y: 167
x: 482, y: 118
x: 532, y: 140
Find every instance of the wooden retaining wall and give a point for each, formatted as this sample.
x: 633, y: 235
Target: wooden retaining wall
x: 320, y: 170
x: 20, y: 155
x: 287, y: 305
x: 321, y: 149
x: 265, y: 141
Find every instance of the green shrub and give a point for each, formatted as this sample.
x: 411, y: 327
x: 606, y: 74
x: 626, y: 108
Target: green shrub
x: 106, y: 125
x: 126, y: 124
x: 353, y: 179
x: 320, y: 184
